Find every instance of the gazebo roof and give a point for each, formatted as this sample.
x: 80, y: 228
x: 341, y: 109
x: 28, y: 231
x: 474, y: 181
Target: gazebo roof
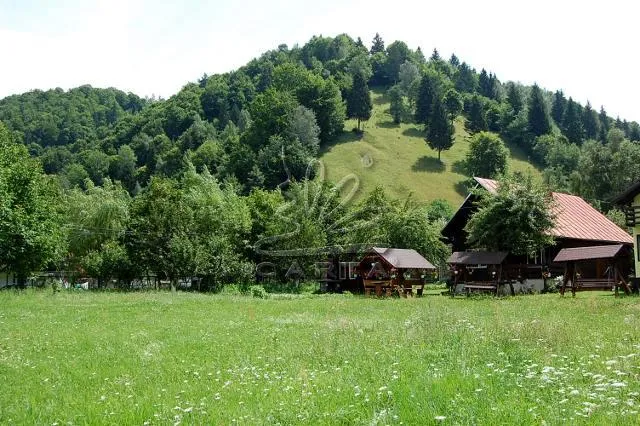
x: 403, y: 258
x: 588, y: 253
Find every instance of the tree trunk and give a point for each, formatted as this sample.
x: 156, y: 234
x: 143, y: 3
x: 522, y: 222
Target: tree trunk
x: 358, y: 124
x: 439, y: 151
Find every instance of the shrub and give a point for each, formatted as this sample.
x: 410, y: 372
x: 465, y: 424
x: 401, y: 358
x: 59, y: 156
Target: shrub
x: 258, y: 291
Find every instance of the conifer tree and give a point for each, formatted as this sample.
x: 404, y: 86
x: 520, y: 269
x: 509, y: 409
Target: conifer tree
x: 493, y: 87
x: 359, y: 104
x: 465, y: 79
x: 454, y: 61
x: 558, y: 107
x: 426, y: 94
x: 440, y: 130
x: 539, y: 122
x: 484, y: 84
x: 453, y: 103
x: 604, y: 124
x: 377, y: 45
x: 435, y: 56
x: 477, y: 118
x: 396, y: 101
x: 514, y: 97
x: 572, y: 123
x: 590, y: 122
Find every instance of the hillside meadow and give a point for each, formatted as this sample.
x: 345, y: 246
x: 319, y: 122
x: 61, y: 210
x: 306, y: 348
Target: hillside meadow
x: 397, y: 157
x: 181, y: 358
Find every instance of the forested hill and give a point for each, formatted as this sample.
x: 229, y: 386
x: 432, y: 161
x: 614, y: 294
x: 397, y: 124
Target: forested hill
x: 292, y: 103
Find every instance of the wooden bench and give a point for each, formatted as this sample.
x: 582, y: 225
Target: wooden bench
x: 595, y: 284
x: 480, y: 286
x: 591, y: 284
x: 379, y: 287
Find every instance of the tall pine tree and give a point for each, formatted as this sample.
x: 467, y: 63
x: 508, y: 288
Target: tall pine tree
x: 484, y: 84
x: 426, y: 94
x: 477, y: 117
x: 359, y: 104
x: 572, y: 123
x: 377, y: 45
x: 590, y: 122
x: 604, y: 124
x: 440, y: 130
x: 539, y: 122
x: 514, y: 97
x: 558, y: 107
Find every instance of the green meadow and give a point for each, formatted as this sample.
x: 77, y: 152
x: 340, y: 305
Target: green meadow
x: 397, y: 157
x: 182, y: 358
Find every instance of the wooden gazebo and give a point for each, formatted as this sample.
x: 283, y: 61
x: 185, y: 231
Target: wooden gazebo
x: 595, y: 268
x: 385, y: 270
x: 477, y: 270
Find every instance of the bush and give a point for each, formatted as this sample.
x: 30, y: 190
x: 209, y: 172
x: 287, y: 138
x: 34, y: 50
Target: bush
x: 258, y: 291
x: 231, y: 290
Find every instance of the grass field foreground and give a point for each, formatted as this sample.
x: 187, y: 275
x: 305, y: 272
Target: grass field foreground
x: 162, y: 358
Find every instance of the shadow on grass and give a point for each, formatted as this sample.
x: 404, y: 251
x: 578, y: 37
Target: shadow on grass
x: 344, y: 137
x: 462, y: 188
x: 428, y: 164
x: 460, y: 167
x: 413, y: 132
x: 389, y: 125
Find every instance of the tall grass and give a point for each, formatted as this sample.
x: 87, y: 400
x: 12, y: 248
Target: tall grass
x: 162, y: 358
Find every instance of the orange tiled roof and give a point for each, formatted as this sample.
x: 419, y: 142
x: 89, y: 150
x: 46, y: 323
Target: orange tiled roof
x: 576, y: 219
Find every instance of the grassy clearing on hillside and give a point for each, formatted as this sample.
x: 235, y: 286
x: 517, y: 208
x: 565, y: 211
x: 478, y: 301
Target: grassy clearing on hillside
x: 397, y: 157
x: 162, y: 358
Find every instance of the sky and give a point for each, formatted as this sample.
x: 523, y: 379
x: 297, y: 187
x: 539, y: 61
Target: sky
x: 154, y: 47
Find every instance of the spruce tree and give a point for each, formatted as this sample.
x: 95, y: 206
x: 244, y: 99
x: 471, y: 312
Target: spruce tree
x: 590, y: 122
x: 440, y: 130
x: 359, y: 104
x: 558, y: 107
x: 435, y: 56
x: 493, y: 87
x: 514, y: 98
x: 465, y: 79
x: 477, y: 118
x: 454, y: 61
x: 604, y: 125
x: 426, y: 94
x: 377, y: 45
x: 539, y: 122
x: 396, y: 101
x: 572, y: 123
x: 453, y: 103
x: 484, y: 84
x: 634, y: 131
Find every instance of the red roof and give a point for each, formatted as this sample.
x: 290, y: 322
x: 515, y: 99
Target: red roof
x: 576, y: 219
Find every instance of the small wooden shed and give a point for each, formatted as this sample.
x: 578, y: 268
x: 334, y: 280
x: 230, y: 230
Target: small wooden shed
x: 595, y: 268
x: 385, y: 270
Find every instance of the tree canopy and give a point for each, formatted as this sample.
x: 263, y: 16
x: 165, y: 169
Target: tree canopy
x: 517, y: 219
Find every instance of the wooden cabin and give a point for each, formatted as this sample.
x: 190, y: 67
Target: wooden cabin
x: 595, y: 268
x: 387, y: 270
x: 578, y: 224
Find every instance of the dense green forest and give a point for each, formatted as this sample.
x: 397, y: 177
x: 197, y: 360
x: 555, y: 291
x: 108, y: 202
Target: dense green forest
x: 206, y: 183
